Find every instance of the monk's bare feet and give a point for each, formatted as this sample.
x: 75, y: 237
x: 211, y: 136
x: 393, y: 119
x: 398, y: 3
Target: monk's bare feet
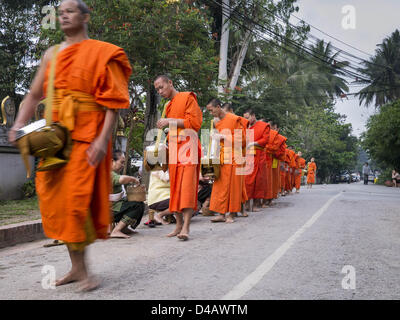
x: 229, y: 219
x: 175, y: 232
x: 183, y: 236
x: 119, y: 235
x: 72, y: 276
x: 245, y: 214
x: 256, y: 209
x: 219, y: 218
x: 88, y: 284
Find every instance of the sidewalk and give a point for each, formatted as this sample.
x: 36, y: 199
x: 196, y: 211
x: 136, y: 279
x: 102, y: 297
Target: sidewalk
x: 22, y: 232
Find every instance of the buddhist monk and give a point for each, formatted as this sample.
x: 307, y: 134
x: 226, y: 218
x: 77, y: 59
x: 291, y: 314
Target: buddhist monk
x: 278, y: 156
x: 311, y: 171
x: 292, y: 166
x: 301, y: 164
x: 91, y: 83
x: 271, y: 147
x: 281, y: 156
x: 256, y: 180
x: 226, y: 196
x: 287, y: 171
x: 227, y: 107
x: 183, y: 113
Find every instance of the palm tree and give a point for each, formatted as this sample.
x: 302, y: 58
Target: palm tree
x: 331, y: 68
x: 383, y: 70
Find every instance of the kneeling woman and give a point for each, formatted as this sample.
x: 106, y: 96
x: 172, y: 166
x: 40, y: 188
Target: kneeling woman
x: 126, y: 213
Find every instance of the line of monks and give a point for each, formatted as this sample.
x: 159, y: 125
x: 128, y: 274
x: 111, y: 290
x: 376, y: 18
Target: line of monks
x: 275, y: 168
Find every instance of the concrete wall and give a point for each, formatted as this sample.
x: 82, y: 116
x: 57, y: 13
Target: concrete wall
x: 12, y: 175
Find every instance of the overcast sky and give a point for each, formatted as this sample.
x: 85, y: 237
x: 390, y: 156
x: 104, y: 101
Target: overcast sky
x: 375, y: 20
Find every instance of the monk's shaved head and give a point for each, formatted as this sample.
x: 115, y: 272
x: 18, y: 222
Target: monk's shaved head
x: 83, y: 8
x: 215, y: 102
x: 163, y: 77
x: 227, y: 107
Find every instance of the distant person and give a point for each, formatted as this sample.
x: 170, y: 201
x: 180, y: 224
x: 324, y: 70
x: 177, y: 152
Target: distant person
x: 125, y: 213
x: 365, y: 171
x: 311, y: 170
x: 395, y: 178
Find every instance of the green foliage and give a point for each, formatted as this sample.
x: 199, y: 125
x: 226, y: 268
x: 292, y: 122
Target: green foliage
x: 382, y: 138
x: 321, y: 133
x: 384, y: 71
x: 29, y: 189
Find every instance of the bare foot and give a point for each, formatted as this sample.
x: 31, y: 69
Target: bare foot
x: 70, y: 277
x: 88, y: 284
x: 219, y: 218
x: 183, y: 236
x: 245, y: 214
x: 229, y: 219
x: 175, y: 232
x: 119, y: 235
x: 255, y: 209
x: 126, y: 230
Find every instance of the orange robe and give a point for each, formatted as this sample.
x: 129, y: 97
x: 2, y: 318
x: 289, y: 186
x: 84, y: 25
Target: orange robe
x: 281, y: 155
x: 256, y: 181
x: 279, y: 142
x: 76, y: 194
x: 245, y: 124
x: 312, y: 168
x: 271, y: 147
x: 288, y: 174
x: 294, y: 168
x: 184, y: 173
x: 227, y: 190
x: 301, y: 164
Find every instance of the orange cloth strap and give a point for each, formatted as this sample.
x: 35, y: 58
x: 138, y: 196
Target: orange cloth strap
x: 69, y: 102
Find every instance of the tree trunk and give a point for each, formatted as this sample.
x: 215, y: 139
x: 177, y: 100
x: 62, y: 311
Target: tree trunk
x: 223, y: 52
x: 239, y: 62
x: 150, y: 121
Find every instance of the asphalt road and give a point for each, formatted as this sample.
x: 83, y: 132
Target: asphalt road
x: 331, y: 242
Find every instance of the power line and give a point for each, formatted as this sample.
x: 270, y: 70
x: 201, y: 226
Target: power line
x: 239, y: 21
x: 341, y: 51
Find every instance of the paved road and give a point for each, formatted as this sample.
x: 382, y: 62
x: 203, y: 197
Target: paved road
x: 311, y: 245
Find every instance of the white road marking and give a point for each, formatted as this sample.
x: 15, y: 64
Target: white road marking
x: 252, y: 279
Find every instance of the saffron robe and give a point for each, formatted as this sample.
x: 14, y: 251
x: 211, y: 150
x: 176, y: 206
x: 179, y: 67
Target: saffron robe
x: 227, y: 191
x: 256, y: 180
x: 301, y: 164
x: 184, y: 152
x: 271, y: 147
x: 76, y: 193
x: 245, y: 124
x: 312, y: 168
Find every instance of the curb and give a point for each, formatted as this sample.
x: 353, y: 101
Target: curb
x: 21, y: 232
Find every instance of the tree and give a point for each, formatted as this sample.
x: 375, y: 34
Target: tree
x: 383, y: 70
x: 382, y: 138
x: 20, y: 25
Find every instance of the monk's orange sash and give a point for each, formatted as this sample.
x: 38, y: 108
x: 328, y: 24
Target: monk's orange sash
x: 69, y: 102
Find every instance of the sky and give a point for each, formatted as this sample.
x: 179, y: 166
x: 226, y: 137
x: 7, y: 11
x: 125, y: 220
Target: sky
x: 374, y: 21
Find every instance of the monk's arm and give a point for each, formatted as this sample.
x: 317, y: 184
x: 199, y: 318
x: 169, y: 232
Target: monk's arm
x: 98, y: 148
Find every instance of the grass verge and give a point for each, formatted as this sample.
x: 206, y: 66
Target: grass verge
x: 15, y: 211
